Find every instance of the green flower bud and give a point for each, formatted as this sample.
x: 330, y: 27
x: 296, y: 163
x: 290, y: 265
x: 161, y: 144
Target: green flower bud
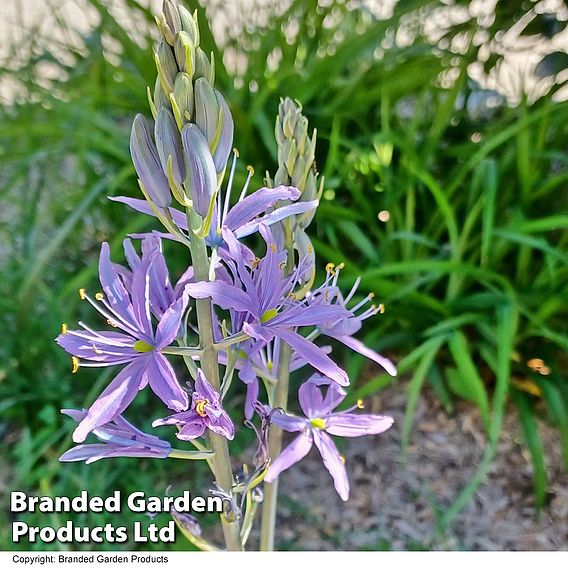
x: 167, y: 66
x: 189, y: 25
x: 184, y: 50
x: 183, y: 95
x: 203, y: 67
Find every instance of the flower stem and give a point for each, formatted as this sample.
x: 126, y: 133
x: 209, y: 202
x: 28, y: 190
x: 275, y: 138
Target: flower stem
x: 280, y: 400
x: 220, y: 462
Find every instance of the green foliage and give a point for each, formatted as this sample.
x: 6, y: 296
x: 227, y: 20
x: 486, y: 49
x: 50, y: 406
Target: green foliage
x: 472, y: 264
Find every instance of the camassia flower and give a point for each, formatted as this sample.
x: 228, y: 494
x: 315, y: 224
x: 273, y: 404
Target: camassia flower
x: 263, y: 304
x: 343, y: 329
x: 119, y: 439
x: 205, y: 413
x: 137, y: 345
x: 317, y: 428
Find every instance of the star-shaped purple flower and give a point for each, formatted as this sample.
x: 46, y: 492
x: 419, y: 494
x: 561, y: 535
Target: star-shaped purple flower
x: 263, y: 304
x: 317, y: 428
x: 119, y: 439
x: 205, y: 413
x: 137, y: 344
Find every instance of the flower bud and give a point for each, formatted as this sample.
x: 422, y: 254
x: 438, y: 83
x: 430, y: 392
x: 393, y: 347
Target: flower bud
x: 206, y: 109
x: 183, y: 94
x: 160, y: 98
x: 167, y: 66
x: 147, y: 163
x: 189, y: 25
x: 222, y: 149
x: 185, y: 53
x: 171, y: 16
x: 201, y: 179
x: 168, y: 143
x: 203, y: 66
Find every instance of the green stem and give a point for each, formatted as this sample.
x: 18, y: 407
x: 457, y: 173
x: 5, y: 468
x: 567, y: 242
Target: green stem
x: 220, y: 462
x: 280, y: 400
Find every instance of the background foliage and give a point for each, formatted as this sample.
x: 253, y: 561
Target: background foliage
x: 472, y: 262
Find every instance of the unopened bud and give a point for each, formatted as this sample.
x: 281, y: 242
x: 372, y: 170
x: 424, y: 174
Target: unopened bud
x: 189, y: 25
x: 203, y: 66
x: 168, y: 143
x: 184, y: 50
x: 183, y: 94
x: 167, y: 66
x: 206, y: 109
x: 171, y: 16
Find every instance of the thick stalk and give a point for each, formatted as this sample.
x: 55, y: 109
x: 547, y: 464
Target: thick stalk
x: 221, y: 461
x: 269, y: 504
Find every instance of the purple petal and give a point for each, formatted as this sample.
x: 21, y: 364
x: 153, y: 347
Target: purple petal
x: 311, y: 400
x: 292, y: 454
x: 361, y: 348
x: 288, y: 422
x: 140, y: 295
x: 105, y: 347
x: 350, y: 425
x: 201, y: 175
x: 223, y: 426
x: 224, y: 295
x: 251, y: 398
x: 309, y: 315
x: 147, y: 163
x: 313, y: 355
x: 164, y: 383
x: 142, y: 206
x: 85, y: 452
x: 113, y: 400
x: 115, y: 292
x: 257, y: 203
x: 169, y: 326
x: 204, y: 389
x: 274, y: 217
x: 192, y: 430
x: 333, y: 463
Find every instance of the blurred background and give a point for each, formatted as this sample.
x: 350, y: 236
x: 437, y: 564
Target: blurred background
x: 442, y: 135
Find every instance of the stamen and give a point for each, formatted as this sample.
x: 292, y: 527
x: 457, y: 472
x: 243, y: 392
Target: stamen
x: 273, y: 247
x: 82, y: 294
x: 200, y: 406
x: 329, y: 268
x: 112, y: 323
x: 255, y: 262
x: 381, y: 308
x: 96, y: 349
x: 75, y: 364
x: 229, y: 186
x: 250, y: 170
x: 99, y: 296
x: 64, y: 328
x: 342, y: 458
x: 371, y: 295
x: 360, y: 404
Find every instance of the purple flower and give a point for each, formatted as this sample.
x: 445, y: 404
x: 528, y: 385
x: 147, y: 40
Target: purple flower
x: 316, y: 428
x: 342, y: 329
x: 119, y: 439
x: 263, y: 305
x: 137, y: 344
x: 205, y: 412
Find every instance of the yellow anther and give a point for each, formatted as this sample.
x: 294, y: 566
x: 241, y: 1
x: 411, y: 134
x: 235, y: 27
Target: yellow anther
x: 99, y: 296
x: 341, y: 266
x: 75, y: 364
x: 282, y: 265
x: 250, y: 170
x: 82, y: 293
x: 342, y: 458
x: 236, y: 152
x: 329, y: 267
x: 96, y: 349
x: 360, y: 404
x: 200, y: 406
x: 293, y: 296
x: 272, y: 247
x: 535, y: 364
x: 310, y: 249
x: 64, y: 328
x: 255, y: 262
x: 112, y: 323
x: 371, y: 295
x: 381, y: 308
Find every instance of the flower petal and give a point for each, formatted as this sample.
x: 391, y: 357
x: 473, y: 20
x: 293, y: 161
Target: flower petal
x: 223, y: 426
x: 164, y: 383
x: 288, y: 422
x: 224, y: 295
x: 170, y: 323
x: 361, y: 348
x: 333, y: 463
x: 142, y: 206
x: 350, y: 425
x: 113, y: 400
x: 203, y: 388
x: 292, y: 454
x: 191, y: 430
x: 313, y: 355
x: 311, y: 400
x: 257, y: 203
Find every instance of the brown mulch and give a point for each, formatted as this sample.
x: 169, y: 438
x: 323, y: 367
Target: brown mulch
x: 392, y: 504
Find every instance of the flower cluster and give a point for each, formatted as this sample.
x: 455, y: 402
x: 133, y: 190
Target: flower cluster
x: 233, y: 310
